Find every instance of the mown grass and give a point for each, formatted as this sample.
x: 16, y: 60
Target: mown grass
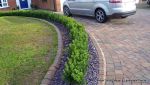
x: 27, y: 48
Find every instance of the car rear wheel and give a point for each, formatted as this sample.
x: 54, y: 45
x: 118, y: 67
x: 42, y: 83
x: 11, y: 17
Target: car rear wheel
x: 100, y: 16
x: 66, y: 11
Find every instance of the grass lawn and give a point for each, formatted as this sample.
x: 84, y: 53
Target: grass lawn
x: 27, y: 48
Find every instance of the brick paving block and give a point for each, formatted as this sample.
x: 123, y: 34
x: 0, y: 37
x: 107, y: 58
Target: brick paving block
x: 101, y: 78
x: 139, y: 73
x: 136, y: 69
x: 130, y: 66
x: 116, y: 60
x: 117, y: 63
x: 136, y: 83
x: 110, y: 73
x: 100, y: 82
x: 110, y: 77
x: 133, y: 70
x: 145, y: 84
x: 118, y: 83
x: 101, y: 65
x: 119, y: 77
x: 145, y: 71
x: 123, y: 63
x: 140, y: 67
x: 109, y: 83
x: 118, y: 72
x: 109, y: 61
x: 101, y: 69
x: 115, y: 56
x: 101, y: 73
x: 144, y: 79
x: 118, y: 67
x: 110, y: 69
x: 110, y: 65
x: 147, y: 76
x: 101, y: 59
x: 126, y: 77
x: 146, y: 64
x: 125, y: 69
x: 127, y: 83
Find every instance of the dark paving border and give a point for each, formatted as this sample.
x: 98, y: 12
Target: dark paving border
x: 102, y: 61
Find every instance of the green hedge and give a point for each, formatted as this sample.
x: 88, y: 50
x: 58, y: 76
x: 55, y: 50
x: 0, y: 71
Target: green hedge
x: 76, y: 67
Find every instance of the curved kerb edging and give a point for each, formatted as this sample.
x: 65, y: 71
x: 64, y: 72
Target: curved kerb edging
x: 102, y: 78
x: 52, y: 69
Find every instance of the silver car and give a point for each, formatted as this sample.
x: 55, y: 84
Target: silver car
x: 100, y: 9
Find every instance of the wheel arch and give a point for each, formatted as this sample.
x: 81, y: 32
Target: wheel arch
x: 103, y: 7
x: 65, y: 4
x: 98, y: 8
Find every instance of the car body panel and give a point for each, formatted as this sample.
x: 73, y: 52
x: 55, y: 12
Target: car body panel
x: 88, y: 7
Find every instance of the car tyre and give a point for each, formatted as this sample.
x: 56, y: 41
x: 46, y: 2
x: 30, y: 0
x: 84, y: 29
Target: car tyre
x: 148, y: 2
x: 100, y: 16
x: 66, y: 11
x: 123, y: 17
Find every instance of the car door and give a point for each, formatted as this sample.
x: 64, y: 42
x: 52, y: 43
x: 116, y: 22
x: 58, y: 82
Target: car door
x: 72, y: 6
x: 86, y: 7
x: 81, y: 7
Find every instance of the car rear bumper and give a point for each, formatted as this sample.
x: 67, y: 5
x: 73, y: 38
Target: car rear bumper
x: 123, y: 14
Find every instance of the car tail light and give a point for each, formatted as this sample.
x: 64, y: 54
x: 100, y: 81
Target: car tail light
x: 115, y: 1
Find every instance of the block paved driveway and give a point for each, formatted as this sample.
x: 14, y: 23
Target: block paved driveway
x: 124, y: 48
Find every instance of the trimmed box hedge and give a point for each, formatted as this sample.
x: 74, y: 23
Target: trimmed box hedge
x: 76, y: 66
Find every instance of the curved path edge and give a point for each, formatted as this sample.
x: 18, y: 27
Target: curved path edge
x: 102, y: 60
x: 52, y: 69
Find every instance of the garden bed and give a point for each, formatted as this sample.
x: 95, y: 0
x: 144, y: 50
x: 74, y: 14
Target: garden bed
x: 77, y: 70
x: 92, y: 75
